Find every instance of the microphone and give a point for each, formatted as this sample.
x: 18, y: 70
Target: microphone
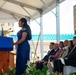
x: 8, y: 31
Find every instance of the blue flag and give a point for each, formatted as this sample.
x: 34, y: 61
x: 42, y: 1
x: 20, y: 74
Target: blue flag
x: 2, y: 32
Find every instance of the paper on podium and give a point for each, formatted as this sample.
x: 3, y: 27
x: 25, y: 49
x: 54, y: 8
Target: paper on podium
x: 6, y: 43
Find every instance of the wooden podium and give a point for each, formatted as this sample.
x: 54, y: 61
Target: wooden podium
x: 6, y: 59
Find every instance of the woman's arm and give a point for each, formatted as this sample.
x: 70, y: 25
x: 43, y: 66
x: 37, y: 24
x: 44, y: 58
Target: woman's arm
x: 24, y: 34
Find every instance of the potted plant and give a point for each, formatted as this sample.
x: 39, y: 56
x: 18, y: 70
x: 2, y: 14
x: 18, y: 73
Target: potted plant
x: 31, y: 70
x: 72, y: 73
x: 11, y: 72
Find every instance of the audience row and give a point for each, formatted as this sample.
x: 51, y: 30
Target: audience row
x: 60, y: 54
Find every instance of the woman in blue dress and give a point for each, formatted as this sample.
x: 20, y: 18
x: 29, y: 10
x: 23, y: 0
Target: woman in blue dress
x: 23, y: 50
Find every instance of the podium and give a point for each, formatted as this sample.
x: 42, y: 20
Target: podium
x: 6, y: 45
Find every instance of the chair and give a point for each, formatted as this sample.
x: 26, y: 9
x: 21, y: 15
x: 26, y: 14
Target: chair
x: 68, y: 69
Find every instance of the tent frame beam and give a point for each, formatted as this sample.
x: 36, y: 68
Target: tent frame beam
x: 47, y: 6
x: 50, y: 4
x: 14, y: 16
x: 17, y: 14
x: 30, y: 15
x: 23, y: 5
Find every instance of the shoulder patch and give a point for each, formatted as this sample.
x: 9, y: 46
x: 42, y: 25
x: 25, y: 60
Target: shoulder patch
x: 23, y: 28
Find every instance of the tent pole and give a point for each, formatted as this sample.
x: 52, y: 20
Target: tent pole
x: 57, y: 21
x: 41, y: 32
x: 30, y: 41
x: 41, y: 36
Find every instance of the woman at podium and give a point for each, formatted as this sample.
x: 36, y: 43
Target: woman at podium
x: 23, y: 50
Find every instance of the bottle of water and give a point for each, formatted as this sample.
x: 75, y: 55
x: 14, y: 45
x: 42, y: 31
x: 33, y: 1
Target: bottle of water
x: 48, y: 65
x: 50, y: 68
x: 49, y: 60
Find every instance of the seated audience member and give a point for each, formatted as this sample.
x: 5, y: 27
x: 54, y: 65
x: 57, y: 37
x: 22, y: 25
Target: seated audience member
x: 62, y: 55
x: 70, y: 59
x: 39, y: 64
x: 56, y: 54
x: 50, y: 52
x: 70, y: 46
x: 65, y: 49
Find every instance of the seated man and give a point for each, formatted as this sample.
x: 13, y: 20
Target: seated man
x: 56, y: 53
x: 50, y: 52
x: 39, y: 64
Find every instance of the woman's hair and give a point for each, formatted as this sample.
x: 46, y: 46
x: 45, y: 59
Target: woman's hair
x: 25, y: 25
x: 25, y: 22
x: 71, y: 42
x: 70, y: 48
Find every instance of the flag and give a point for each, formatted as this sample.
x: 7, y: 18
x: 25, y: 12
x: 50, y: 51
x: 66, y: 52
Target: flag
x: 2, y: 32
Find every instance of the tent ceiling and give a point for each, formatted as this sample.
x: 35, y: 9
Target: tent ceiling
x: 35, y: 3
x: 19, y: 8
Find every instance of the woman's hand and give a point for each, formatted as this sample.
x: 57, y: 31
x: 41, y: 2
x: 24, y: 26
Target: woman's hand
x: 14, y: 43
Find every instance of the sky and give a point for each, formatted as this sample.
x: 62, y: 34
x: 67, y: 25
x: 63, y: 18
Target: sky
x: 49, y: 20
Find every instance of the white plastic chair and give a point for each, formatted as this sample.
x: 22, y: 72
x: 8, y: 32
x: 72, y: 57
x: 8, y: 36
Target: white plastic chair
x: 68, y: 69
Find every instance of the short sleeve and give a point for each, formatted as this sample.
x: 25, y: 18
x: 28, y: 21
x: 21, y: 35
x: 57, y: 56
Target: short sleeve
x: 24, y: 30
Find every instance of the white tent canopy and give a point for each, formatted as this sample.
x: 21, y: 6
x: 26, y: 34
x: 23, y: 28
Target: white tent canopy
x: 13, y: 10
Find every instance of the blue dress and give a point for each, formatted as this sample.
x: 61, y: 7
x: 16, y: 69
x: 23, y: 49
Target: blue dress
x: 23, y: 53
